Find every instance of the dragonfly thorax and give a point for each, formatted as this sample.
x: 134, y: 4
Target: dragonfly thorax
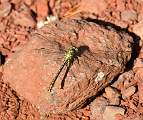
x: 70, y: 55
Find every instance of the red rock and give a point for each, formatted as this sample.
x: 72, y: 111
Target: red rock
x: 111, y: 1
x: 97, y: 108
x: 52, y: 3
x: 37, y: 63
x: 112, y: 95
x: 141, y: 55
x: 33, y: 7
x: 65, y: 6
x: 126, y: 76
x: 92, y: 6
x: 2, y: 28
x: 111, y: 112
x: 120, y: 5
x: 121, y: 23
x: 140, y: 108
x: 29, y: 2
x: 42, y: 8
x: 129, y: 15
x: 127, y: 83
x: 133, y: 106
x: 4, y: 1
x: 5, y: 9
x: 138, y: 67
x: 16, y: 1
x: 86, y: 113
x: 24, y: 19
x: 119, y: 117
x: 140, y: 17
x: 138, y: 29
x: 139, y: 1
x: 139, y: 76
x: 11, y: 106
x: 128, y: 92
x: 111, y: 92
x: 116, y: 15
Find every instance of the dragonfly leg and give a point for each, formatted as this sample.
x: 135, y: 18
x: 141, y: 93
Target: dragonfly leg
x: 65, y: 75
x: 55, y: 78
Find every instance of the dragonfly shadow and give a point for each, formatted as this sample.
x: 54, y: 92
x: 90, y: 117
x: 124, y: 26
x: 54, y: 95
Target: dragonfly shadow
x: 65, y: 75
x: 81, y: 50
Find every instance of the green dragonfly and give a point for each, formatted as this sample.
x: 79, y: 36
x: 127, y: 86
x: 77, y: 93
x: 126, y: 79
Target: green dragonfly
x: 69, y: 57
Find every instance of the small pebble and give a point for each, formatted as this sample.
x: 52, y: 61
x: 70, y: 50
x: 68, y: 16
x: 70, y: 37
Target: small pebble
x: 29, y: 2
x: 138, y: 29
x: 93, y: 6
x: 140, y: 17
x: 132, y: 106
x: 97, y: 107
x: 121, y: 23
x: 15, y: 1
x: 24, y: 19
x: 40, y: 24
x: 111, y: 112
x: 113, y: 95
x: 122, y: 78
x: 42, y: 9
x: 140, y: 87
x: 139, y: 1
x: 4, y: 1
x: 120, y: 5
x: 129, y: 15
x: 128, y: 92
x: 5, y: 9
x: 2, y: 28
x: 127, y: 83
x: 49, y: 19
x: 138, y: 67
x: 111, y: 92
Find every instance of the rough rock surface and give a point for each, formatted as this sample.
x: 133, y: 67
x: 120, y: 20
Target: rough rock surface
x: 113, y: 95
x: 103, y: 53
x: 98, y: 107
x: 5, y: 9
x: 128, y: 92
x: 111, y: 112
x: 12, y: 107
x: 129, y: 15
x: 138, y: 29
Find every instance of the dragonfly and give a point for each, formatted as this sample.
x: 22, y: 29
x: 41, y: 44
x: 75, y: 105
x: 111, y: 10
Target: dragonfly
x: 69, y: 57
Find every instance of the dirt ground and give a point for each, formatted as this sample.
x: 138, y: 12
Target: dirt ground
x: 121, y: 100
